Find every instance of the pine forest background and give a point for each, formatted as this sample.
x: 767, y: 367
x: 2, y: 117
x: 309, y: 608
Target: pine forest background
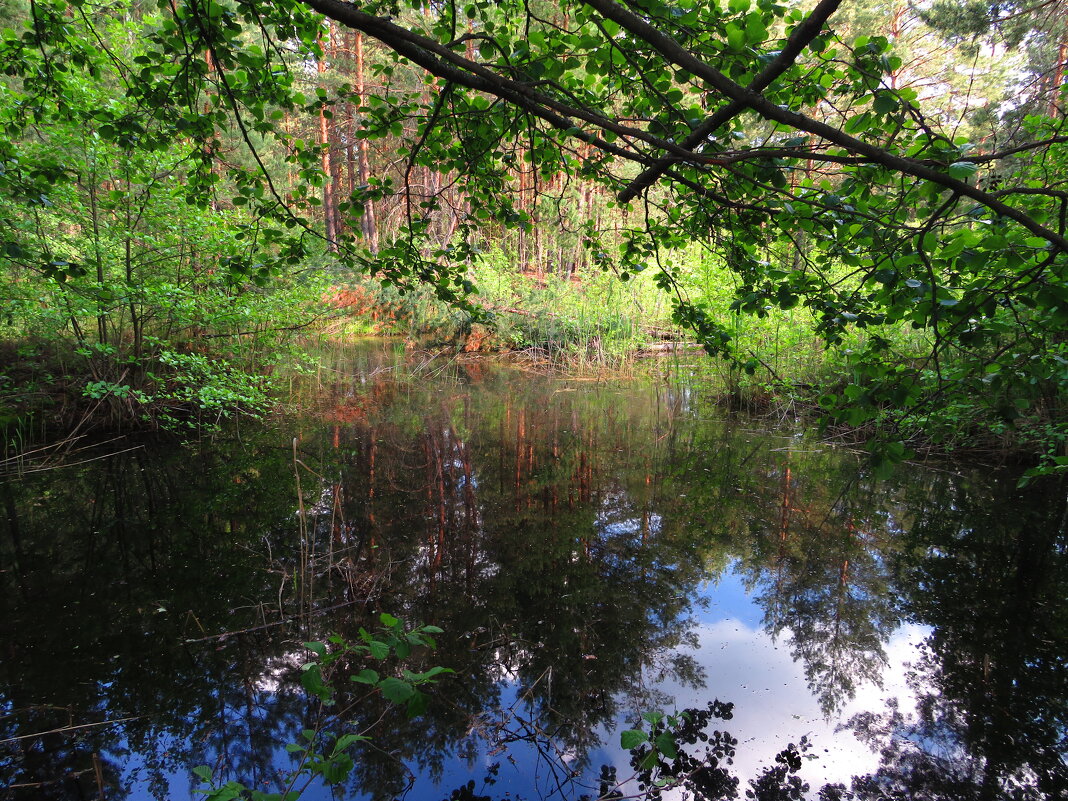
x: 188, y: 189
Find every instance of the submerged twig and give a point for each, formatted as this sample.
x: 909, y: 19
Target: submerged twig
x: 65, y: 729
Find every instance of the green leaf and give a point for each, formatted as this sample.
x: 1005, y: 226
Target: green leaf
x: 884, y: 103
x: 416, y: 704
x: 395, y: 690
x: 735, y: 37
x: 858, y: 122
x: 665, y: 744
x: 366, y: 676
x: 755, y: 31
x: 203, y: 772
x: 632, y: 738
x: 418, y: 678
x: 345, y: 740
x: 227, y: 792
x: 962, y: 170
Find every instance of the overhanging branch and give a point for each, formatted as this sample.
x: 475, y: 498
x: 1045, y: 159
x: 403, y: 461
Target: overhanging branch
x: 438, y: 59
x: 678, y: 55
x: 807, y: 30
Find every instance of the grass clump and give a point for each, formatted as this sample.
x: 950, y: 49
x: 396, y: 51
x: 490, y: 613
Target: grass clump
x: 593, y: 322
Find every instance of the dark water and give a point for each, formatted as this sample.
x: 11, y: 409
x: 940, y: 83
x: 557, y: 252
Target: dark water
x: 591, y: 550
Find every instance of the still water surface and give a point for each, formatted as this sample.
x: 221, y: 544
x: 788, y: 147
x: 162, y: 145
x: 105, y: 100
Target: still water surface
x: 592, y: 551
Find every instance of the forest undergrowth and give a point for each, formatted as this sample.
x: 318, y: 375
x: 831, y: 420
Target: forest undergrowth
x: 233, y: 359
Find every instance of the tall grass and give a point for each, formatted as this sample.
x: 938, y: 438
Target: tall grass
x: 590, y: 323
x: 599, y: 321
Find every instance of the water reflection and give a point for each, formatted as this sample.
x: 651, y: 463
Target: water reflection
x: 987, y: 569
x: 568, y: 537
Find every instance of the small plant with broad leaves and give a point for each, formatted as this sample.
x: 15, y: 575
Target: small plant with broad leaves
x: 390, y: 640
x: 323, y: 755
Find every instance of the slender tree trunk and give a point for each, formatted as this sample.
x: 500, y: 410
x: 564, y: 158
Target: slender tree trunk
x: 209, y: 153
x: 329, y: 205
x: 101, y: 311
x: 135, y: 318
x: 521, y: 199
x: 1058, y: 78
x: 368, y: 225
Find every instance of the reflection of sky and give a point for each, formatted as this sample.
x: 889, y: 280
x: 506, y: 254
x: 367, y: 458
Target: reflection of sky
x: 773, y: 707
x: 727, y: 600
x: 522, y: 772
x: 182, y: 784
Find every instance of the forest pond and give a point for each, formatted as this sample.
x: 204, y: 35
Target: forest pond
x: 591, y: 550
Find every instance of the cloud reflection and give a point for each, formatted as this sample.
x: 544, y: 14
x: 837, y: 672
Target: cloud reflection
x: 774, y: 705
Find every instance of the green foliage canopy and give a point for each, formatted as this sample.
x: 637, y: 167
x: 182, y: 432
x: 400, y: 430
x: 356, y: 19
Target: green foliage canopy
x: 754, y: 127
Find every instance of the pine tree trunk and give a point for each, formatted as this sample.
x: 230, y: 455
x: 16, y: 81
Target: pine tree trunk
x: 368, y: 225
x: 329, y: 205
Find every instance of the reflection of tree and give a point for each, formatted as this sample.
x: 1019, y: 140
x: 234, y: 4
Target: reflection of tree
x: 55, y: 765
x: 532, y: 526
x: 532, y: 531
x: 818, y: 539
x: 559, y: 538
x: 990, y: 574
x: 117, y: 565
x: 810, y: 533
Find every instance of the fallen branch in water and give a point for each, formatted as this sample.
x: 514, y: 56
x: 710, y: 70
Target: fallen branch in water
x: 65, y: 729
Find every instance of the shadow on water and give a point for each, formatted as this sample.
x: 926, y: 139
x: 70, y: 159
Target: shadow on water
x: 573, y: 539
